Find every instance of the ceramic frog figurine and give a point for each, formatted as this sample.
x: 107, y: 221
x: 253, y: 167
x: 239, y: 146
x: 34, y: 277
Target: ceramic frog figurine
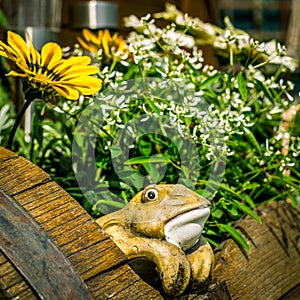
x: 163, y: 223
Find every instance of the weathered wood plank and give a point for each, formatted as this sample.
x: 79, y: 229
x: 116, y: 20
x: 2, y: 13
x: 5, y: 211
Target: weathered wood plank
x: 96, y: 259
x: 12, y: 284
x: 90, y: 251
x: 6, y: 154
x: 272, y: 268
x: 18, y: 175
x: 115, y: 289
x: 65, y: 215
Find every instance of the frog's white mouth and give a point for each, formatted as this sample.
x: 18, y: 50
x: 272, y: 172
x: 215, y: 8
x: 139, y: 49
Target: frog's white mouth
x: 185, y: 230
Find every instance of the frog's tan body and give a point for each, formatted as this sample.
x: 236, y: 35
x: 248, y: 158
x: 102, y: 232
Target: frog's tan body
x: 139, y: 231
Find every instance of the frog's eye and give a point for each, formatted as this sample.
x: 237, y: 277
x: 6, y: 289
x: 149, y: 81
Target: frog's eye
x: 151, y: 195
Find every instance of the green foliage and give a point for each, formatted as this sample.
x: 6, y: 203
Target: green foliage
x: 240, y: 125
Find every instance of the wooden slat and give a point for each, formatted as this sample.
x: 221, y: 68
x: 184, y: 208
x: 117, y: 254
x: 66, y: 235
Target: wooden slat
x: 59, y: 212
x: 272, y: 268
x: 6, y: 154
x: 90, y: 251
x: 114, y: 288
x: 18, y: 175
x: 12, y: 284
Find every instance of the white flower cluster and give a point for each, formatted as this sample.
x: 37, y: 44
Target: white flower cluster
x: 144, y: 42
x: 207, y: 106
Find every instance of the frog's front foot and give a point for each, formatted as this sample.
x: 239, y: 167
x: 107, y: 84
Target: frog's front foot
x: 171, y: 263
x: 201, y: 261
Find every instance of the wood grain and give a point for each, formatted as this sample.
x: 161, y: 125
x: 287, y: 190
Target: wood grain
x: 272, y: 268
x: 90, y: 251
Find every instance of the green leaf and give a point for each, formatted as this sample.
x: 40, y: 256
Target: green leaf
x: 3, y: 20
x: 217, y: 213
x: 248, y: 199
x: 131, y: 71
x: 146, y: 160
x: 69, y: 133
x: 235, y: 234
x: 266, y: 90
x: 233, y: 211
x: 145, y: 147
x: 152, y: 105
x: 222, y: 187
x: 212, y: 242
x: 155, y: 174
x: 289, y: 181
x: 209, y: 81
x: 250, y: 136
x: 186, y: 171
x: 247, y: 210
x: 110, y: 203
x: 115, y: 151
x: 293, y: 200
x: 242, y: 86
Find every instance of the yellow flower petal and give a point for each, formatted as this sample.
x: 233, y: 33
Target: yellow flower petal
x: 105, y: 42
x: 35, y: 57
x: 19, y: 45
x: 88, y: 46
x: 66, y: 91
x: 16, y: 74
x: 51, y: 53
x: 78, y: 71
x: 69, y: 68
x: 79, y: 60
x: 7, y: 52
x: 90, y: 37
x: 84, y: 81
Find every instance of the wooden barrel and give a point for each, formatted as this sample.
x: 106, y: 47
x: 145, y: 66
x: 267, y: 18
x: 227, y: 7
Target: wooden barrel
x: 50, y: 248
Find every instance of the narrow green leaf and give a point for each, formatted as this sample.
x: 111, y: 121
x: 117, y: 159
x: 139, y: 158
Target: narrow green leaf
x: 146, y: 160
x: 69, y: 133
x: 289, y: 180
x: 247, y: 210
x: 223, y: 187
x: 209, y: 81
x: 152, y: 105
x: 248, y: 199
x: 3, y: 20
x: 242, y: 86
x: 212, y: 242
x: 145, y: 147
x: 293, y: 200
x: 110, y: 203
x: 266, y: 90
x: 130, y: 72
x: 252, y: 139
x: 186, y: 171
x: 235, y: 234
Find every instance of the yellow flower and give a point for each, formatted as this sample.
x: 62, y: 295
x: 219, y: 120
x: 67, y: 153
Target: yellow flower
x: 47, y: 71
x: 112, y: 46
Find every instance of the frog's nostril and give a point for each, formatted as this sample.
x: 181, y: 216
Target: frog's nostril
x: 206, y: 205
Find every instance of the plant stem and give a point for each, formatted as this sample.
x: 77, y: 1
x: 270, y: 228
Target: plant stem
x: 17, y: 123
